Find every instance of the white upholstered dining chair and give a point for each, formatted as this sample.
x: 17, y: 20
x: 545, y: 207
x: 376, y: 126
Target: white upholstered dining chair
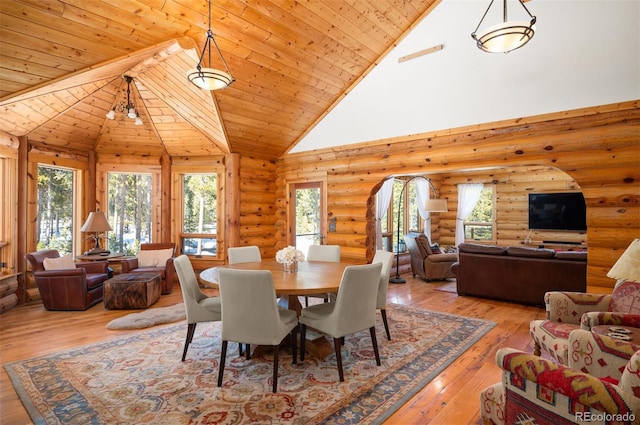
x: 243, y: 254
x: 386, y: 258
x: 250, y: 315
x: 198, y: 306
x: 322, y: 253
x: 353, y: 311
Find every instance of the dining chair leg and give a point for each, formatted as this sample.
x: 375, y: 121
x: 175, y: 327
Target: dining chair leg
x: 337, y: 345
x: 240, y: 349
x: 383, y: 312
x: 276, y: 351
x: 191, y: 328
x: 293, y: 336
x: 374, y: 341
x: 303, y: 335
x: 223, y: 355
x: 248, y: 351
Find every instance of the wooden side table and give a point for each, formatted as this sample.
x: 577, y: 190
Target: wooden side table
x: 113, y: 259
x: 621, y: 333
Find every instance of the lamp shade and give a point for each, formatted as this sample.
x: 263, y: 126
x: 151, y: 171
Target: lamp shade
x: 628, y: 265
x: 436, y: 205
x: 505, y: 36
x: 209, y: 78
x: 96, y: 222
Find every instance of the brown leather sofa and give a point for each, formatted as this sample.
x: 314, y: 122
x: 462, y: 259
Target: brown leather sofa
x: 424, y: 262
x: 167, y: 270
x: 68, y: 289
x: 518, y: 274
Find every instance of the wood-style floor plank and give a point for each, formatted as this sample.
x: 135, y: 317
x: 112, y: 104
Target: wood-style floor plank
x: 452, y: 397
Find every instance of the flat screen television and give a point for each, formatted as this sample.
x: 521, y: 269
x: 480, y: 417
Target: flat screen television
x: 557, y: 211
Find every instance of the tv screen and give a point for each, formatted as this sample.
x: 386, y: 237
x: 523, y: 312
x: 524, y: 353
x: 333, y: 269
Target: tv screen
x: 557, y: 211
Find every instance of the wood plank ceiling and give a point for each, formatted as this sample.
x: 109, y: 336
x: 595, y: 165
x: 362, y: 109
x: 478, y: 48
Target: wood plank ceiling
x: 62, y: 64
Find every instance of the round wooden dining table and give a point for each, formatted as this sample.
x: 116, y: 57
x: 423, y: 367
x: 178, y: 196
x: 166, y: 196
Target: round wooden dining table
x: 312, y: 277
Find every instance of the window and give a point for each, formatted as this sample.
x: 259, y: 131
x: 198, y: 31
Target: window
x: 54, y: 226
x: 480, y: 224
x: 199, y: 214
x: 409, y: 216
x: 129, y: 211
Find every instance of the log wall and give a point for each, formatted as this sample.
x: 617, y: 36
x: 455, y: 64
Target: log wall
x: 512, y: 186
x: 598, y: 148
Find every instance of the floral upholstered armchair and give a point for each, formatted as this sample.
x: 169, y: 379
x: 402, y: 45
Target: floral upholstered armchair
x: 568, y: 311
x: 600, y: 385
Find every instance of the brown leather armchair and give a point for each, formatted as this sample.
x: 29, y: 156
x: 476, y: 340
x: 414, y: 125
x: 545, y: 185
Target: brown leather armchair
x: 68, y: 289
x: 167, y: 270
x: 424, y: 262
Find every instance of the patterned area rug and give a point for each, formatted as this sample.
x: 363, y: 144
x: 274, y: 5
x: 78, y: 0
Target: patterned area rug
x: 140, y: 378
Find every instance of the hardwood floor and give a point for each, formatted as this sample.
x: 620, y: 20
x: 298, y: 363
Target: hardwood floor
x: 451, y: 398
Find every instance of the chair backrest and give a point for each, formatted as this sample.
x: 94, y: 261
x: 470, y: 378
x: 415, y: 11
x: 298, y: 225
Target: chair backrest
x: 243, y: 254
x: 36, y: 259
x: 625, y: 298
x: 355, y: 308
x: 324, y: 253
x: 158, y: 245
x: 386, y: 258
x: 249, y: 307
x: 191, y: 293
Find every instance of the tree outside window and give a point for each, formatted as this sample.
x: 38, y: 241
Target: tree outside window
x: 480, y: 224
x: 129, y: 211
x: 54, y: 227
x: 200, y: 214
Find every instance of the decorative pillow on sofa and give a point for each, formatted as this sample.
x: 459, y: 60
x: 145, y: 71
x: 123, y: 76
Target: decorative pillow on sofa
x: 481, y: 249
x: 571, y: 255
x: 625, y: 298
x: 154, y: 257
x: 521, y: 251
x: 61, y: 263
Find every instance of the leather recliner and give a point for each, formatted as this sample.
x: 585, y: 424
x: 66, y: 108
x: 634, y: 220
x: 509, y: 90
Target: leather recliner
x: 69, y: 289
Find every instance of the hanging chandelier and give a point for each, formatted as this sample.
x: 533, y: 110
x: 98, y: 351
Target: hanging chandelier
x: 129, y: 107
x: 506, y: 35
x: 210, y: 78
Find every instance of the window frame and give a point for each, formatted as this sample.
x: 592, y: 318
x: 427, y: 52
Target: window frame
x: 182, y: 235
x: 177, y: 171
x: 491, y: 224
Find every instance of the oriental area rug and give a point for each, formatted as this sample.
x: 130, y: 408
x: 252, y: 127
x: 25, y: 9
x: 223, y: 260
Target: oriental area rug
x: 139, y: 378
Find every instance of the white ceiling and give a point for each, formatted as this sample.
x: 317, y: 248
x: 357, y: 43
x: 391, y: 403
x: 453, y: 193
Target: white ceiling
x: 584, y: 53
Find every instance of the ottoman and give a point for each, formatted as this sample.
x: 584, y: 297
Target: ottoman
x: 132, y: 290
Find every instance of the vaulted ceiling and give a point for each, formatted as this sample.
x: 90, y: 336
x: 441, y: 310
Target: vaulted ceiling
x: 62, y: 64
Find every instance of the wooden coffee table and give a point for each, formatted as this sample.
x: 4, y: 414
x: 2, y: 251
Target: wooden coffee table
x: 132, y: 290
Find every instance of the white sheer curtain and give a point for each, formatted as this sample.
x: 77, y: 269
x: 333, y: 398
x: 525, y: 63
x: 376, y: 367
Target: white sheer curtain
x: 468, y: 196
x: 422, y: 195
x: 383, y: 197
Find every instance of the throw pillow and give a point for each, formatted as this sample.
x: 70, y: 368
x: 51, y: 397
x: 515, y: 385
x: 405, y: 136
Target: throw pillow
x: 154, y: 257
x: 61, y: 263
x: 625, y: 297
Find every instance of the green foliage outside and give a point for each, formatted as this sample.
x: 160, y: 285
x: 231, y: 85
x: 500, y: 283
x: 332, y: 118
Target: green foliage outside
x: 481, y: 217
x: 307, y: 217
x: 129, y: 211
x: 54, y: 227
x: 200, y: 213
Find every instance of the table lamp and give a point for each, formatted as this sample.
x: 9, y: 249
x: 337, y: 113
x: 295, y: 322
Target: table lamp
x: 628, y: 265
x: 97, y: 223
